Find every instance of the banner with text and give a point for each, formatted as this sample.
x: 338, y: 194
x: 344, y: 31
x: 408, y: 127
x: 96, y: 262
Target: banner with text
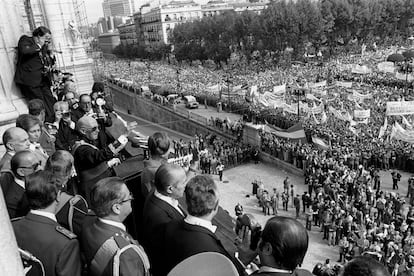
x: 362, y: 114
x: 400, y: 108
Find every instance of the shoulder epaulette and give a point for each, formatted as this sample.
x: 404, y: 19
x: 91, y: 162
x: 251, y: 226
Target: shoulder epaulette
x: 66, y: 232
x: 16, y: 219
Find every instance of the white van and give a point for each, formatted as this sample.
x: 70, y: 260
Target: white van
x: 190, y: 102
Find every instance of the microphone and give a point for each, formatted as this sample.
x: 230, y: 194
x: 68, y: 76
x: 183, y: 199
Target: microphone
x: 56, y: 51
x: 26, y: 255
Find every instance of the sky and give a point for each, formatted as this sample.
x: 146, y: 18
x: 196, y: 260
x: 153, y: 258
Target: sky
x: 94, y: 8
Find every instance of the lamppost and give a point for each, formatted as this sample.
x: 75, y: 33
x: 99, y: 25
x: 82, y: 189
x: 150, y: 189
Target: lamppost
x: 228, y: 82
x: 299, y: 92
x: 178, y: 82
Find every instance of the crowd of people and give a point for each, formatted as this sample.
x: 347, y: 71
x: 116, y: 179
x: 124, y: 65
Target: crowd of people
x: 72, y: 211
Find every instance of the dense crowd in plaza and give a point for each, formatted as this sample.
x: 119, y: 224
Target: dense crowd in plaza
x: 62, y: 173
x: 344, y: 195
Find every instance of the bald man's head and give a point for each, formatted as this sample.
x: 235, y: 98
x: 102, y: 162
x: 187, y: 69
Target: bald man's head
x: 16, y: 139
x: 24, y: 163
x: 170, y: 180
x: 88, y: 127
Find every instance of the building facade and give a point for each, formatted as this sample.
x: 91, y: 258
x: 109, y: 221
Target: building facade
x: 127, y: 33
x: 118, y: 7
x: 154, y: 26
x: 158, y: 23
x: 107, y: 42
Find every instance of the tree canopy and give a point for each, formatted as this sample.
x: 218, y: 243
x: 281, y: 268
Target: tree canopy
x: 297, y: 24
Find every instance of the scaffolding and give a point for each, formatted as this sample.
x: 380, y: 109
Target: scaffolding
x: 81, y: 18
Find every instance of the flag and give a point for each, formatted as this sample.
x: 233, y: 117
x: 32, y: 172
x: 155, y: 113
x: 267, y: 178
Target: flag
x: 324, y: 117
x: 320, y: 143
x: 295, y: 132
x: 383, y: 128
x: 316, y: 120
x: 406, y: 122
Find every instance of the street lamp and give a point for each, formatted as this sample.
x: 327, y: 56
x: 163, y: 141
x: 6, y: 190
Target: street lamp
x: 178, y: 81
x: 299, y: 92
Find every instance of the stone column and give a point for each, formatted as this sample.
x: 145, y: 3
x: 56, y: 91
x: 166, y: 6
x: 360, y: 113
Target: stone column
x: 58, y: 15
x: 11, y: 28
x: 10, y: 262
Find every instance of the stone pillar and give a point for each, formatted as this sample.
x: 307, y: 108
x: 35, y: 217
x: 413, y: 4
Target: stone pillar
x: 58, y: 14
x: 11, y: 28
x: 10, y: 262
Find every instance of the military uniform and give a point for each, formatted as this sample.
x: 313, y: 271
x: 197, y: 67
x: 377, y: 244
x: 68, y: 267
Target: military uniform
x: 101, y: 242
x: 56, y: 247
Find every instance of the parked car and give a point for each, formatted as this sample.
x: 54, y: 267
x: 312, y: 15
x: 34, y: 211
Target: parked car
x: 190, y: 102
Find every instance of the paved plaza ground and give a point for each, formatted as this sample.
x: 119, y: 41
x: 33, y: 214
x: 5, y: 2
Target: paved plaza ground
x: 236, y: 187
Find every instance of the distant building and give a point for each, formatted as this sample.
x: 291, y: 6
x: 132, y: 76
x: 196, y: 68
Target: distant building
x: 118, y: 7
x: 127, y: 33
x: 107, y: 42
x: 158, y: 23
x: 256, y: 7
x: 154, y: 25
x: 109, y: 24
x: 215, y: 7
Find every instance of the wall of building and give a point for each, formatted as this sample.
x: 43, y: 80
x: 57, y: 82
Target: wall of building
x: 108, y: 42
x: 147, y: 109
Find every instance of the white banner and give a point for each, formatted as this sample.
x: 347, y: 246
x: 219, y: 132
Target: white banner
x: 403, y: 76
x: 386, y: 67
x: 400, y: 108
x: 362, y: 114
x: 360, y: 97
x: 317, y: 84
x: 182, y: 161
x: 280, y: 89
x: 339, y: 115
x: 399, y: 133
x: 360, y: 69
x: 310, y: 96
x: 316, y: 109
x: 345, y: 84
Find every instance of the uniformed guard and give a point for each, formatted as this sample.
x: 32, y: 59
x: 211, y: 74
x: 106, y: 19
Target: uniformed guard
x: 39, y: 233
x: 108, y: 248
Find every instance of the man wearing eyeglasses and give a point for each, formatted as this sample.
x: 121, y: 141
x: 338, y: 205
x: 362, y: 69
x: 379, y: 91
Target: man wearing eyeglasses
x: 15, y: 139
x: 93, y: 162
x: 104, y: 240
x: 66, y: 135
x: 23, y: 164
x: 86, y: 109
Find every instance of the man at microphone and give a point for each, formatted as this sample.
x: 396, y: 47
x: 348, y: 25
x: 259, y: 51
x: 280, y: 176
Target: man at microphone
x: 92, y: 161
x: 86, y: 109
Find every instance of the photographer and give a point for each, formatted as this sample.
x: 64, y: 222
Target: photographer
x: 34, y: 68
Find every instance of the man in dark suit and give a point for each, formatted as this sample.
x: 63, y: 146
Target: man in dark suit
x: 13, y: 185
x: 15, y: 139
x: 194, y: 234
x: 40, y: 234
x: 162, y: 207
x: 66, y: 135
x: 86, y: 109
x: 92, y: 162
x: 104, y: 239
x: 33, y: 68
